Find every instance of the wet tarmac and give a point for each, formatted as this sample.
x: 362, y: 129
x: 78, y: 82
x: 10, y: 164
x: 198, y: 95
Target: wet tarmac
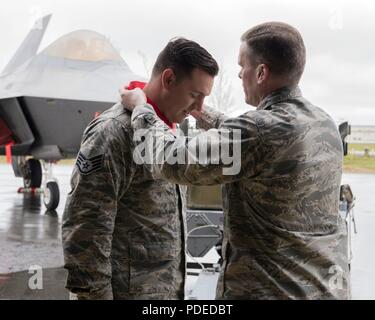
x: 30, y: 238
x: 363, y: 263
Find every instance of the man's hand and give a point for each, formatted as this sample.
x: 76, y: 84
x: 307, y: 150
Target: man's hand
x: 132, y: 98
x: 196, y: 114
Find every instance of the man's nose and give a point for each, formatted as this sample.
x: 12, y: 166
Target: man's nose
x: 199, y: 104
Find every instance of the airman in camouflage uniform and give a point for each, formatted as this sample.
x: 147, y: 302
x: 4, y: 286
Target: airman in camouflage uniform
x: 283, y: 235
x: 123, y: 228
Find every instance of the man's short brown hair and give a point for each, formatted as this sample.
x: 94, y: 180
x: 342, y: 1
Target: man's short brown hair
x: 183, y: 56
x: 279, y: 46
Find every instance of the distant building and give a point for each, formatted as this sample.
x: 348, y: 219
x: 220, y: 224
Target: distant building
x: 361, y: 134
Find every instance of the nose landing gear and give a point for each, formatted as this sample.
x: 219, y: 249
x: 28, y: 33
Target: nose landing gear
x: 31, y: 172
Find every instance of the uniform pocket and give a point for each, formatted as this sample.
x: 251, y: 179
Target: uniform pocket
x: 153, y: 267
x: 153, y: 252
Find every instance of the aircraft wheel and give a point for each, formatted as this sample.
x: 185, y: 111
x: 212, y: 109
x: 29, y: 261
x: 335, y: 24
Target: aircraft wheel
x: 51, y: 197
x: 34, y: 176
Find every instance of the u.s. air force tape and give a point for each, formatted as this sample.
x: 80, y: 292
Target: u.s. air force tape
x: 87, y: 166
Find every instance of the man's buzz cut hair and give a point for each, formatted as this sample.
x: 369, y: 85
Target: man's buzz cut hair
x: 278, y: 45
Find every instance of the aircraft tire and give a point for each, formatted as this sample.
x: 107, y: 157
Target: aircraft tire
x: 51, y: 197
x: 35, y: 170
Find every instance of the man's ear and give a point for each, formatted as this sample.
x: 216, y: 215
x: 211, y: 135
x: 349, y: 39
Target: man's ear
x: 168, y: 78
x: 262, y: 73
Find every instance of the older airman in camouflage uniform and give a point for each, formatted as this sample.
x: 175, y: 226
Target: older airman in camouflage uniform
x: 283, y: 235
x: 123, y: 228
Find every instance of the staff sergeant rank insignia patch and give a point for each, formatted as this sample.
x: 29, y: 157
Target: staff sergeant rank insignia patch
x: 87, y: 166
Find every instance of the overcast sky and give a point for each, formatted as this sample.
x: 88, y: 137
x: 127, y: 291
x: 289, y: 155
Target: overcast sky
x: 339, y: 37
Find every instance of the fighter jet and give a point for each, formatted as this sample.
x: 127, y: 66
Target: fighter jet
x: 48, y: 98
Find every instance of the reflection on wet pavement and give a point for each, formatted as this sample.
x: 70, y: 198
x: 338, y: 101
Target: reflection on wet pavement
x: 15, y: 286
x: 27, y: 224
x: 363, y: 264
x: 31, y: 236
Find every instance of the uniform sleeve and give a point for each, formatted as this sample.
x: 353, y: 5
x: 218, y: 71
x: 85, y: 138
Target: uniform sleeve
x: 232, y: 152
x: 101, y: 175
x: 210, y: 118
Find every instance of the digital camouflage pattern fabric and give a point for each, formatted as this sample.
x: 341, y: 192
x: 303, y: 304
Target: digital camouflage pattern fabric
x: 283, y: 235
x: 123, y: 230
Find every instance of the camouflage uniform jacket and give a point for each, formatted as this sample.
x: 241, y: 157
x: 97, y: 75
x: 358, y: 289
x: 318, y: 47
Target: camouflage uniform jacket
x: 283, y: 235
x: 123, y: 230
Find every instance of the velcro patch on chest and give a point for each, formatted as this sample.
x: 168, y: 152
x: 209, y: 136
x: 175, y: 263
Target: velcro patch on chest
x: 87, y: 166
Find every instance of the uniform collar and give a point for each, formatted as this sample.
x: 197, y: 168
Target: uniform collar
x: 138, y: 84
x: 279, y: 95
x: 161, y: 115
